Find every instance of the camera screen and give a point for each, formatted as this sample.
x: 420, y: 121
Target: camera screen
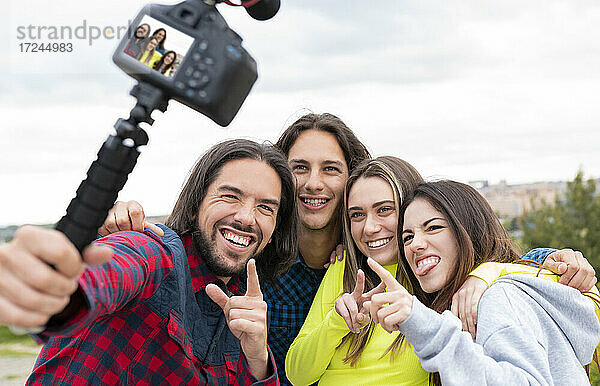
x: 158, y: 46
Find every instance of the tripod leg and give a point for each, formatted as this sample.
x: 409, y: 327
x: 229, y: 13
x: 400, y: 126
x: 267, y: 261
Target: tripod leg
x: 98, y: 192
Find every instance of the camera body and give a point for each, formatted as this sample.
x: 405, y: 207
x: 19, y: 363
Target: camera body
x: 204, y: 67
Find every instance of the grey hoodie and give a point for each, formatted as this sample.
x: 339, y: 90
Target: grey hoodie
x: 530, y: 331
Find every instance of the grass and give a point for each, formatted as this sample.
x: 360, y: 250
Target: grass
x: 12, y: 352
x: 12, y: 345
x: 7, y: 337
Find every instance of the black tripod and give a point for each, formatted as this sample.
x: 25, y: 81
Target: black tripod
x: 108, y: 173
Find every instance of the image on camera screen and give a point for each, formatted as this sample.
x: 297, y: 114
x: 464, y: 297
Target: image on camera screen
x: 158, y: 46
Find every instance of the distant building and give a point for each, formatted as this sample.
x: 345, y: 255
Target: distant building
x: 479, y: 184
x: 511, y: 201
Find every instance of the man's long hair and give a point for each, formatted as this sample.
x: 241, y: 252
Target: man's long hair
x: 281, y: 252
x: 354, y: 150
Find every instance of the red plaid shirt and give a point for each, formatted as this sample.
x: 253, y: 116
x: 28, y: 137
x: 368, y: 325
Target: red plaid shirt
x: 148, y: 321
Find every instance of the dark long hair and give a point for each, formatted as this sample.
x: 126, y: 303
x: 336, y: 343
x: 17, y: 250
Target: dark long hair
x: 161, y: 45
x: 147, y: 33
x: 281, y: 252
x: 403, y: 178
x: 479, y: 235
x: 353, y: 149
x: 159, y: 64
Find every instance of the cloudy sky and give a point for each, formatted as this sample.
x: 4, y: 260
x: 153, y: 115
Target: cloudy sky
x: 469, y: 90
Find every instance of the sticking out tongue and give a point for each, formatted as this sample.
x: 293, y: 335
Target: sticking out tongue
x: 426, y: 265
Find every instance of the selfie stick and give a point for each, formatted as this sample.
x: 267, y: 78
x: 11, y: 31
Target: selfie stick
x: 107, y: 175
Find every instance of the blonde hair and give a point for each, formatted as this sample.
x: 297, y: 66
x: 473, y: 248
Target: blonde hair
x: 403, y: 179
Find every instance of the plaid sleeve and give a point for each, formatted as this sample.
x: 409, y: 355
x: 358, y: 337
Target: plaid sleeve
x: 245, y: 376
x: 134, y: 272
x: 538, y: 254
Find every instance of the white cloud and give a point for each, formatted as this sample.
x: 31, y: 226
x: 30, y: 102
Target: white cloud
x: 469, y: 90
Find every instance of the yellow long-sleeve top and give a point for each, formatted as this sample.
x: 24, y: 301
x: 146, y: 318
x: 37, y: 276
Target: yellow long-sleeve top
x: 315, y: 356
x: 155, y: 58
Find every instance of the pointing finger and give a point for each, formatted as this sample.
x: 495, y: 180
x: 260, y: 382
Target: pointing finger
x: 253, y: 285
x: 384, y: 274
x: 217, y: 295
x: 360, y: 285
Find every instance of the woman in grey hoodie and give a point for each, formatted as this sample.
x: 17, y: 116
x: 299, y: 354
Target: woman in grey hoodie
x: 530, y: 329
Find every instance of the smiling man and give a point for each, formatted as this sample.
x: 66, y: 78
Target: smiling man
x: 168, y: 309
x: 322, y: 152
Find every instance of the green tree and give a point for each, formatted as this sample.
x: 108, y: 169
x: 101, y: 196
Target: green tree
x: 569, y: 222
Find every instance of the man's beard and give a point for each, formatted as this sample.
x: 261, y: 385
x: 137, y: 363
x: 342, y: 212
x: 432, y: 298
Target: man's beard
x: 208, y: 251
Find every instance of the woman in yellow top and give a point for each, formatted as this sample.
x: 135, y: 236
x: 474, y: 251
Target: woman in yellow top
x: 148, y: 54
x: 327, y: 350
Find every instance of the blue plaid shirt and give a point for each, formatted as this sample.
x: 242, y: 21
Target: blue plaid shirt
x: 538, y: 254
x: 288, y: 299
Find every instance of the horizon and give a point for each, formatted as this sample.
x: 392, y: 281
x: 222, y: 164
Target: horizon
x: 154, y: 216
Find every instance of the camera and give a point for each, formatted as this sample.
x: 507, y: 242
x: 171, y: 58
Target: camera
x: 184, y: 52
x: 189, y: 52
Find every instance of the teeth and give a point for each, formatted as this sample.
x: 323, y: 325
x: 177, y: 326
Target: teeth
x: 428, y: 261
x: 378, y: 243
x: 314, y: 201
x: 244, y: 241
